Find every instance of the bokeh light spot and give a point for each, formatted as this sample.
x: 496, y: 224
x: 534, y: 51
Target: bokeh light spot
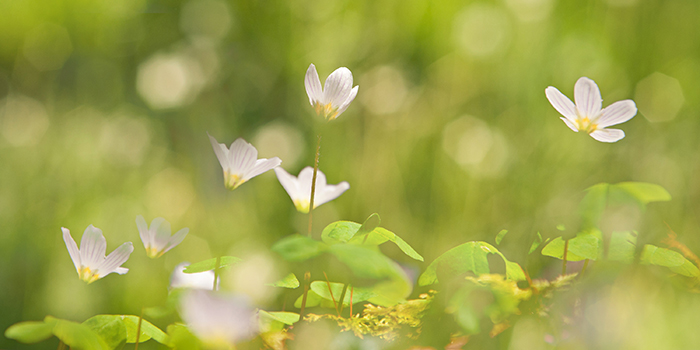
x: 23, y: 120
x: 384, y: 90
x: 281, y: 140
x: 481, y: 30
x: 168, y: 81
x: 169, y: 194
x: 659, y: 97
x: 210, y: 18
x: 47, y: 47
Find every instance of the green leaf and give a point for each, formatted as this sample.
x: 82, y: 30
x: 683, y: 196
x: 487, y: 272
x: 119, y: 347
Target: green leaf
x: 593, y: 205
x: 110, y: 328
x: 298, y: 248
x: 381, y: 235
x: 364, y: 262
x: 500, y: 235
x: 290, y: 281
x: 586, y: 245
x: 76, y: 335
x: 642, y: 192
x: 210, y: 264
x: 370, y: 223
x: 148, y: 330
x: 561, y: 227
x: 312, y: 299
x: 180, y: 338
x: 30, y: 332
x: 340, y: 232
x: 275, y: 321
x: 668, y: 258
x: 392, y: 291
x: 621, y: 247
x: 536, y: 243
x: 468, y: 257
x: 358, y: 294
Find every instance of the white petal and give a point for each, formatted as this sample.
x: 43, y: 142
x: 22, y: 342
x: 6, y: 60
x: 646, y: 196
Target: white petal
x: 561, y: 103
x: 587, y: 96
x: 115, y: 259
x: 121, y: 270
x: 313, y: 85
x: 72, y: 248
x: 616, y: 113
x: 153, y: 231
x: 288, y: 182
x: 211, y: 316
x: 221, y: 152
x: 608, y: 135
x: 92, y: 247
x: 199, y: 280
x: 337, y: 87
x: 242, y: 157
x: 261, y: 166
x: 162, y: 236
x: 176, y: 239
x: 344, y: 106
x: 330, y: 192
x: 304, y: 182
x: 571, y: 125
x: 144, y: 233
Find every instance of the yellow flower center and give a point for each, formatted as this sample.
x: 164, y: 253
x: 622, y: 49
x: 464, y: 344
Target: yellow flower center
x: 302, y: 205
x: 327, y: 110
x: 87, y: 275
x: 585, y: 124
x: 153, y: 252
x: 232, y: 181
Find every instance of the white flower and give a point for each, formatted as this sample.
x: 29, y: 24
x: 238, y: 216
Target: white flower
x: 218, y: 320
x: 299, y: 188
x: 157, y: 239
x: 90, y: 261
x: 241, y: 162
x: 335, y: 97
x: 197, y: 280
x: 588, y: 114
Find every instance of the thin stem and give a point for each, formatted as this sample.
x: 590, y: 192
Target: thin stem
x: 566, y: 250
x: 313, y: 183
x: 331, y: 291
x: 61, y: 345
x: 307, y: 279
x: 138, y: 331
x: 216, y: 272
x: 585, y: 265
x: 352, y: 289
x: 342, y: 297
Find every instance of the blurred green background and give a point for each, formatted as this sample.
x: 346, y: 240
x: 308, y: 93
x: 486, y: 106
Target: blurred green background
x: 105, y: 105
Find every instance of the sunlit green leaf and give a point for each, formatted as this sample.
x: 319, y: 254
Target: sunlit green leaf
x: 500, y: 235
x: 668, y: 258
x: 275, y: 321
x: 290, y: 281
x: 536, y: 243
x: 312, y: 299
x: 586, y: 245
x: 380, y: 235
x: 298, y: 248
x: 643, y: 192
x: 370, y: 224
x: 340, y: 232
x: 76, y: 335
x: 180, y: 338
x: 110, y: 328
x: 148, y: 330
x: 621, y: 247
x: 210, y: 264
x: 364, y: 262
x: 30, y: 331
x: 598, y: 196
x: 358, y: 294
x: 468, y: 257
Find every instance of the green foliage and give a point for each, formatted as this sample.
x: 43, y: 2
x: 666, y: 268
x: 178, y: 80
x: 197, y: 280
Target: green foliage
x: 536, y: 243
x: 31, y: 331
x: 75, y: 335
x: 180, y: 338
x: 599, y: 196
x: 290, y: 281
x: 298, y: 248
x: 586, y: 245
x: 468, y: 257
x: 210, y: 264
x: 111, y: 329
x: 500, y: 235
x: 358, y: 294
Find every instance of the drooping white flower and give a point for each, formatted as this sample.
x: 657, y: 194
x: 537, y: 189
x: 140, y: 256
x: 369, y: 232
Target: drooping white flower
x: 335, y: 96
x: 218, y: 320
x: 588, y: 113
x: 197, y: 280
x: 90, y: 261
x: 299, y: 188
x: 157, y: 240
x: 240, y: 162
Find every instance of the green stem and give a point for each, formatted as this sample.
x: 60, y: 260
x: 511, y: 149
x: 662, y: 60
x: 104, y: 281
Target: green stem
x: 313, y: 183
x: 307, y: 280
x: 566, y: 250
x: 342, y: 298
x: 331, y: 292
x: 585, y: 265
x: 61, y: 345
x: 138, y: 331
x: 216, y: 272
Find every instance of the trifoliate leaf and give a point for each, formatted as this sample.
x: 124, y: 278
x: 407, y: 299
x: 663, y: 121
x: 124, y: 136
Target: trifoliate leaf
x: 299, y: 248
x: 290, y: 281
x: 358, y: 294
x: 210, y: 264
x: 30, y: 332
x: 500, y: 235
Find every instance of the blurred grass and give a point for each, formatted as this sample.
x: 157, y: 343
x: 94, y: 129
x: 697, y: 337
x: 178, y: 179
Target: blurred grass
x: 450, y: 139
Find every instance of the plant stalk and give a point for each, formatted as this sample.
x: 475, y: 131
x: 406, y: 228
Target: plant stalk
x: 216, y: 273
x: 313, y: 183
x: 138, y: 331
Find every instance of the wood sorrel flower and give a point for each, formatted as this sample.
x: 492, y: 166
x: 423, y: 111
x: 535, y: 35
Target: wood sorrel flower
x: 588, y: 114
x: 299, y: 188
x: 218, y: 320
x: 241, y: 162
x: 197, y: 280
x: 90, y: 261
x: 157, y: 240
x: 335, y: 97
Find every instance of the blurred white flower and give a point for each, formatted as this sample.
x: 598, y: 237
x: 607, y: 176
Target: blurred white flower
x: 588, y: 114
x: 157, y: 240
x: 335, y: 97
x: 218, y: 320
x: 198, y: 280
x: 299, y: 188
x: 90, y: 261
x: 241, y: 162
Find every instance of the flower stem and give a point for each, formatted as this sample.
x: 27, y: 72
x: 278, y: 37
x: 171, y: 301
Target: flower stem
x: 216, y: 272
x: 335, y: 304
x: 566, y: 250
x: 352, y: 289
x: 313, y: 183
x: 307, y: 280
x: 342, y: 298
x: 138, y: 331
